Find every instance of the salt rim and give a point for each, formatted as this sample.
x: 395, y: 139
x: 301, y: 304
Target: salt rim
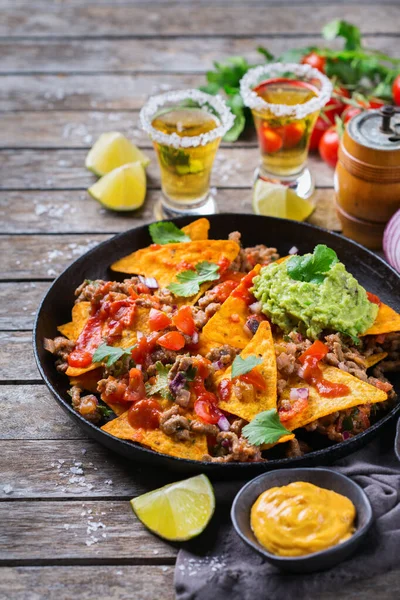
x: 154, y: 103
x: 299, y: 111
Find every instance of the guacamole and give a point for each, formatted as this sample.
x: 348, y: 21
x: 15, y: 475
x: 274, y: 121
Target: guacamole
x: 337, y: 302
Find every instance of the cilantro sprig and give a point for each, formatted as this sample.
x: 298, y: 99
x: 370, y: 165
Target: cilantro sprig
x: 161, y: 385
x: 265, y: 428
x: 110, y: 354
x: 190, y: 281
x: 240, y: 366
x: 167, y: 233
x: 312, y: 267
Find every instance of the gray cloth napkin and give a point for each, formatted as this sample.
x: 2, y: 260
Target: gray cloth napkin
x: 218, y: 565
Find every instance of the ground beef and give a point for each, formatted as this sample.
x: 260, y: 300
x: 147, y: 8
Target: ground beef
x: 172, y: 423
x: 178, y: 381
x: 205, y: 428
x: 237, y: 426
x: 199, y: 316
x: 165, y: 297
x: 94, y: 291
x: 248, y: 258
x: 235, y: 449
x: 326, y: 426
x: 60, y: 347
x: 224, y: 355
x: 295, y: 449
x: 244, y: 392
x: 167, y: 357
x: 86, y: 406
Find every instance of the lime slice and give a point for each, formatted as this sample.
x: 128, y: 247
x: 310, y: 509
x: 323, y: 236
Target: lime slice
x: 178, y: 511
x: 277, y: 200
x: 122, y: 189
x: 113, y: 150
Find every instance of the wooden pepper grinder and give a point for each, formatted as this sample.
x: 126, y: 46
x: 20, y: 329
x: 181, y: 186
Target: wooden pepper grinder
x: 367, y: 176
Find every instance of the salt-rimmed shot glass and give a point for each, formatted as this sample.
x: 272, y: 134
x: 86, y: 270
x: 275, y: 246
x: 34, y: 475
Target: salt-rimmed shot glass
x: 186, y: 128
x: 285, y: 100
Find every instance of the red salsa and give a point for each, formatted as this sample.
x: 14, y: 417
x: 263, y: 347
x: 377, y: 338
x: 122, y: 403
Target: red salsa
x: 145, y: 413
x: 312, y: 372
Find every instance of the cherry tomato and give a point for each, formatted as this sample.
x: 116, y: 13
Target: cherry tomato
x: 335, y: 106
x: 314, y: 60
x: 298, y: 406
x: 270, y: 141
x: 172, y: 340
x: 374, y: 299
x: 145, y: 413
x: 255, y: 378
x: 291, y: 134
x: 329, y: 146
x: 158, y: 320
x: 320, y: 127
x: 317, y: 350
x: 396, y: 90
x: 183, y: 320
x: 206, y: 410
x: 350, y: 112
x: 374, y: 103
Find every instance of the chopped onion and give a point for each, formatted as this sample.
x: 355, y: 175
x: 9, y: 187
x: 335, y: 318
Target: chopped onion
x: 255, y: 308
x: 151, y: 282
x: 223, y: 423
x: 345, y: 435
x: 225, y: 443
x: 177, y: 383
x: 299, y: 393
x: 391, y: 241
x: 293, y: 250
x: 195, y: 338
x: 139, y: 335
x: 139, y: 367
x: 217, y: 365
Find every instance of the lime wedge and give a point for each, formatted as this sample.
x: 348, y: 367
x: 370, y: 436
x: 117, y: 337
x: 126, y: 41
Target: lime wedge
x: 277, y: 200
x: 121, y: 189
x: 113, y: 150
x: 178, y: 511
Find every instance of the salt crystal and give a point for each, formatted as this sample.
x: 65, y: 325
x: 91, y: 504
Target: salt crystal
x: 164, y: 569
x: 155, y: 551
x: 83, y: 451
x: 51, y: 272
x: 76, y: 470
x: 108, y: 482
x: 17, y: 262
x: 7, y: 489
x: 66, y: 526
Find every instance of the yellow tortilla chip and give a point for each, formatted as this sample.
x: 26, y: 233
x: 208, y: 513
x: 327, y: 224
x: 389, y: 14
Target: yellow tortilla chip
x: 166, y: 261
x: 87, y: 381
x: 80, y: 315
x: 318, y: 406
x: 193, y: 449
x: 374, y: 359
x: 387, y: 321
x: 227, y: 325
x: 262, y: 345
x: 197, y: 230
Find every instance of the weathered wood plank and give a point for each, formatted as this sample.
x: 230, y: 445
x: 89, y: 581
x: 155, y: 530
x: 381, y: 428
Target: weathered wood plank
x: 29, y: 412
x: 18, y: 304
x: 75, y: 211
x: 16, y: 357
x: 74, y: 531
x: 169, y: 19
x: 71, y: 468
x: 77, y: 92
x: 58, y: 169
x: 42, y: 257
x: 120, y: 582
x: 144, y: 55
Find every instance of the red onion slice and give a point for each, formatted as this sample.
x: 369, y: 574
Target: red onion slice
x: 299, y: 393
x: 195, y: 338
x: 255, y: 308
x: 151, y: 282
x: 223, y: 423
x: 391, y: 241
x: 293, y: 250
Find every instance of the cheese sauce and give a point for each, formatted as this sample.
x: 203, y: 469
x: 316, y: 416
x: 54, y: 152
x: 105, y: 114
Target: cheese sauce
x: 301, y: 518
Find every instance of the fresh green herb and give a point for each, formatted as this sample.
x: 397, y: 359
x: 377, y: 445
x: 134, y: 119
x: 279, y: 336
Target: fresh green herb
x: 106, y: 412
x: 190, y: 373
x: 240, y: 365
x: 265, y: 428
x: 189, y: 281
x: 312, y: 267
x: 356, y: 340
x: 166, y: 232
x: 111, y: 353
x: 161, y: 385
x: 347, y: 424
x: 342, y: 29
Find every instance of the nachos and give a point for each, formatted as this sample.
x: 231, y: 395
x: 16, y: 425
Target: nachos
x: 211, y: 351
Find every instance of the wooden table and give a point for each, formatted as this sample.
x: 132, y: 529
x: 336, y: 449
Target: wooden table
x: 71, y: 70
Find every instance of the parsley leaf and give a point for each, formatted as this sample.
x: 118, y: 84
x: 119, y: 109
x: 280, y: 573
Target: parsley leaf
x: 265, y: 428
x: 240, y: 366
x: 312, y: 267
x: 111, y: 353
x: 161, y: 385
x: 167, y: 233
x: 189, y: 281
x: 106, y: 412
x: 350, y: 33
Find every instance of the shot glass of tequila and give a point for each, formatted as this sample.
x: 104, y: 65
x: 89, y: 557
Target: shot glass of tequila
x: 285, y: 100
x: 186, y: 128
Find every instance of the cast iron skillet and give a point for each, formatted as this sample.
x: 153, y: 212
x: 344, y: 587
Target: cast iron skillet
x: 372, y: 272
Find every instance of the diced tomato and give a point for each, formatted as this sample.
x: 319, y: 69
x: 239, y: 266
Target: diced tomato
x: 122, y: 314
x: 314, y: 60
x: 89, y: 339
x: 298, y: 407
x: 136, y: 389
x: 206, y: 410
x: 142, y: 288
x: 223, y: 264
x: 374, y: 299
x: 235, y: 276
x: 270, y: 140
x: 158, y: 320
x: 224, y: 389
x: 255, y: 378
x: 183, y: 320
x: 242, y: 290
x: 145, y: 413
x: 317, y: 350
x: 172, y: 340
x: 132, y: 293
x: 224, y: 289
